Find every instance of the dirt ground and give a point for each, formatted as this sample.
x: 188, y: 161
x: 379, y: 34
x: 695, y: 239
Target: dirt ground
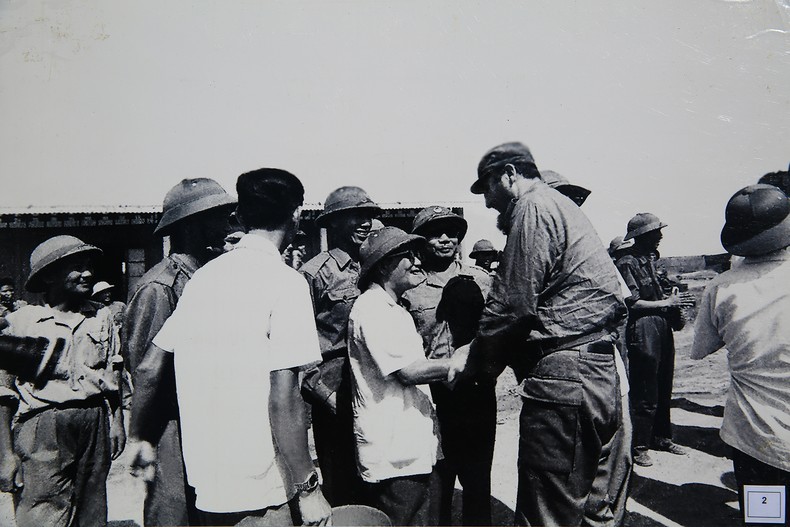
x: 696, y: 490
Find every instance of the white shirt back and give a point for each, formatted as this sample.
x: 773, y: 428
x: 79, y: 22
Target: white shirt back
x: 241, y: 316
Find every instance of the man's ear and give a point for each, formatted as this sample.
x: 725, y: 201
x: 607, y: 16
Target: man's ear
x: 511, y: 173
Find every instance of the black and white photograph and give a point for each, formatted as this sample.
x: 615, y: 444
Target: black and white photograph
x: 368, y: 263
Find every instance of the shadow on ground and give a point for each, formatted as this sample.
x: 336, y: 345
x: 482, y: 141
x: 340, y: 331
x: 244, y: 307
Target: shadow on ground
x: 690, y: 504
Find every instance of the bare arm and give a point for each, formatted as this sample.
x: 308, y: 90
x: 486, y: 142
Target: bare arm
x: 289, y: 431
x: 424, y: 371
x: 10, y: 465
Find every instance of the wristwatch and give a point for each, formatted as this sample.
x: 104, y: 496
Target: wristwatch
x: 310, y: 484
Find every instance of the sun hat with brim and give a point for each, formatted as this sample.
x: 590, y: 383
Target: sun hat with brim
x: 101, y: 287
x: 565, y: 187
x: 482, y: 247
x: 191, y: 197
x: 379, y: 245
x: 498, y: 157
x: 643, y: 223
x: 757, y: 221
x: 346, y: 198
x: 51, y: 251
x: 436, y: 214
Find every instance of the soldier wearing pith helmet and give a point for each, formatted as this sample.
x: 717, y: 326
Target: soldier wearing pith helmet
x: 195, y: 216
x: 333, y: 274
x: 649, y: 339
x: 467, y: 414
x: 71, y: 418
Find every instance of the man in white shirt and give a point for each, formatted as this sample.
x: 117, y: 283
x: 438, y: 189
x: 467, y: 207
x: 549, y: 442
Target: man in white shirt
x: 745, y: 310
x: 242, y: 332
x: 394, y: 419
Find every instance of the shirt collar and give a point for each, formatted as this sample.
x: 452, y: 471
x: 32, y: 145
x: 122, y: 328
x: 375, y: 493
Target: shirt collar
x: 257, y: 242
x: 378, y: 290
x: 87, y: 309
x: 187, y: 263
x: 781, y: 255
x: 340, y: 256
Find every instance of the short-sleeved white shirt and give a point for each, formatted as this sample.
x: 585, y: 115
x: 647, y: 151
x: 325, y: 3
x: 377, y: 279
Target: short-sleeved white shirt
x: 393, y: 422
x: 241, y: 316
x: 746, y: 310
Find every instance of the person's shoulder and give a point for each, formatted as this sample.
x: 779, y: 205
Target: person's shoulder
x: 165, y: 273
x: 475, y: 271
x: 314, y: 265
x: 627, y: 260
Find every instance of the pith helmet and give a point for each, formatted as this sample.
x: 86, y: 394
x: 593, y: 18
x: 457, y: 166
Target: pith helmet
x: 436, y: 214
x: 51, y: 251
x: 100, y: 287
x: 346, y: 198
x: 190, y: 197
x: 482, y: 247
x: 618, y: 243
x: 642, y: 223
x: 378, y: 245
x: 757, y: 221
x: 562, y: 185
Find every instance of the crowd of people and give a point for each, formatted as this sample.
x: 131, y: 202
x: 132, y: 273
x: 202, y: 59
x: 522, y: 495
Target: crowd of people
x: 389, y: 346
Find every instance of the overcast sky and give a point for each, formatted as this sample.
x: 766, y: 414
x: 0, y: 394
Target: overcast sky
x: 664, y: 106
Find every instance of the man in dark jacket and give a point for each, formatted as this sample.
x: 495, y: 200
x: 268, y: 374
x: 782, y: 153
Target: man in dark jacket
x: 195, y: 217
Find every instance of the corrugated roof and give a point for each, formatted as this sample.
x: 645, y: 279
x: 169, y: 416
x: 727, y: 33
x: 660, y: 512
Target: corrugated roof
x: 155, y: 209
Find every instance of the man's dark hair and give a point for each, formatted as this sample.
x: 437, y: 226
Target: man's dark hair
x: 526, y: 169
x: 7, y: 280
x: 268, y: 197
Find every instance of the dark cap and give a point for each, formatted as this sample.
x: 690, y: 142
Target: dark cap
x: 498, y: 157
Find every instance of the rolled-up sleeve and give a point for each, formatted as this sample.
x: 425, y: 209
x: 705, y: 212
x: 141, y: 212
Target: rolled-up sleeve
x: 532, y: 246
x: 144, y: 317
x: 706, y: 335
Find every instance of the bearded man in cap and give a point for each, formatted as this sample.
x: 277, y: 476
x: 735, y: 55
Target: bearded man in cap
x: 240, y: 337
x: 467, y: 414
x: 552, y: 315
x: 394, y: 422
x: 745, y: 310
x: 649, y: 339
x: 68, y: 421
x: 195, y: 216
x: 348, y: 218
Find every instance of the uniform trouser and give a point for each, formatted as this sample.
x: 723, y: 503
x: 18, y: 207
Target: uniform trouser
x: 467, y: 428
x: 606, y: 504
x: 651, y: 359
x: 169, y: 500
x: 570, y: 413
x: 751, y: 471
x: 335, y: 445
x: 65, y: 454
x: 405, y: 500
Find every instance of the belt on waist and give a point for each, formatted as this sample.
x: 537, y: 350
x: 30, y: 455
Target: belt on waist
x: 597, y: 342
x: 334, y: 354
x: 94, y: 401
